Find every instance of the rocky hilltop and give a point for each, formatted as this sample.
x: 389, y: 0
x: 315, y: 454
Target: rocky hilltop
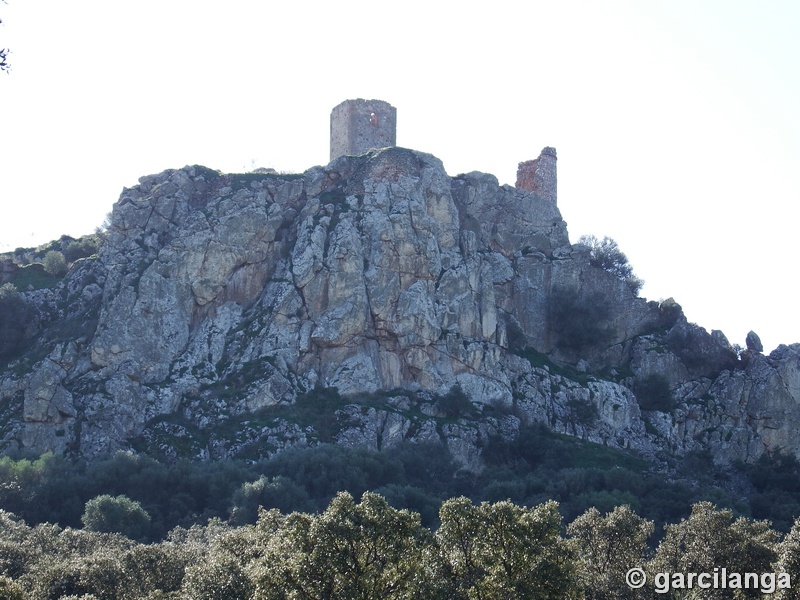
x: 371, y: 302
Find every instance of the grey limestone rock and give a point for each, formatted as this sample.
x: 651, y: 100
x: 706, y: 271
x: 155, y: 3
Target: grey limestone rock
x: 753, y: 342
x: 217, y: 301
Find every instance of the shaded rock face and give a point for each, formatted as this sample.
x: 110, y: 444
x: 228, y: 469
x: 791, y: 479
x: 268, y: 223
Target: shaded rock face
x: 223, y: 308
x: 753, y: 342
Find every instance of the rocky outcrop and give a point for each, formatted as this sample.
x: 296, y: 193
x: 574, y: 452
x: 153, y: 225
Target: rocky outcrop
x: 223, y: 309
x: 753, y: 342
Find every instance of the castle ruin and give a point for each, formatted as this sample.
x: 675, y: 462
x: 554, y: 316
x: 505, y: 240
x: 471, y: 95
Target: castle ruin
x: 539, y: 175
x: 360, y: 125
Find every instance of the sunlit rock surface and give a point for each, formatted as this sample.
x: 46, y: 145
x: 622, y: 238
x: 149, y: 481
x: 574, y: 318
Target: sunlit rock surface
x: 222, y: 309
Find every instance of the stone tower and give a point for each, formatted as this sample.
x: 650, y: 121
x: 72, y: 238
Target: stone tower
x: 359, y: 125
x: 539, y: 176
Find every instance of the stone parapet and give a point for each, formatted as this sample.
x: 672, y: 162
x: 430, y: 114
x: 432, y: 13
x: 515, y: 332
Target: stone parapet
x: 360, y: 125
x: 539, y: 175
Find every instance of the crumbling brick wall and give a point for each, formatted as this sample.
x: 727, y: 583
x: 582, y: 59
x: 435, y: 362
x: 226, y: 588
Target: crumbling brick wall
x: 539, y: 175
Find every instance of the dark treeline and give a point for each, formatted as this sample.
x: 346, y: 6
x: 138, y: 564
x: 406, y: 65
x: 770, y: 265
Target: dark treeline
x: 536, y: 467
x: 370, y: 550
x: 72, y: 527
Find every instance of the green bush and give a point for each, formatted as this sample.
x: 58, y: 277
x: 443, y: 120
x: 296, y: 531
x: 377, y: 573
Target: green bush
x: 607, y: 545
x: 517, y: 340
x: 9, y: 590
x: 81, y: 248
x: 54, y: 263
x: 58, y: 579
x: 156, y: 567
x: 361, y: 550
x: 415, y: 499
x: 221, y: 576
x: 711, y: 539
x: 318, y: 407
x: 605, y: 254
x: 502, y: 550
x: 116, y: 514
x: 279, y: 492
x: 455, y: 403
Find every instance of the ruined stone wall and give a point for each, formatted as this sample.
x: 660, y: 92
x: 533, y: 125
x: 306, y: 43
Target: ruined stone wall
x: 359, y: 125
x: 539, y: 175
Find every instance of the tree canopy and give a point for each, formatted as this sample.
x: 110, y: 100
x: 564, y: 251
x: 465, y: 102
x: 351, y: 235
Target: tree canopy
x: 605, y: 254
x: 367, y: 549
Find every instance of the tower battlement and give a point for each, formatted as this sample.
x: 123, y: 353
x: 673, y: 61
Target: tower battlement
x: 360, y: 125
x: 539, y: 175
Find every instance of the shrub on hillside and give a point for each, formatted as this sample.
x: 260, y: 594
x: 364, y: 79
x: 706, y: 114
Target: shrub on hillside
x: 277, y: 492
x: 54, y: 263
x: 517, y: 340
x: 455, y: 403
x: 605, y: 254
x: 81, y: 248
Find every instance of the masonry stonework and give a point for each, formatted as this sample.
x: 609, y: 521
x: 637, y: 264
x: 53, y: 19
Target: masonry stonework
x: 539, y: 175
x: 360, y: 125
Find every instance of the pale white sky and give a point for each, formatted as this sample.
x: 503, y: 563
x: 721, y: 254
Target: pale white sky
x: 676, y: 122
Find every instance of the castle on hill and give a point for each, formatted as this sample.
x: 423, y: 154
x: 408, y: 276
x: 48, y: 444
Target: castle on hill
x: 359, y: 125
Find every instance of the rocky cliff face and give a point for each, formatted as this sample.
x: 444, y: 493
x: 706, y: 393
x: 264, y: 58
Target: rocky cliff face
x: 372, y: 302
